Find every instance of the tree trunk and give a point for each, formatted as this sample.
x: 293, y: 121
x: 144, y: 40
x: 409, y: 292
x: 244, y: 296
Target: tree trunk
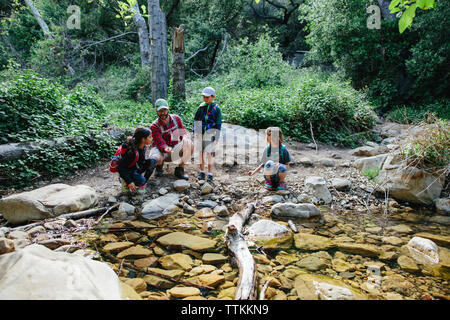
x: 384, y: 6
x: 159, y: 54
x: 39, y: 19
x: 142, y: 29
x: 179, y: 65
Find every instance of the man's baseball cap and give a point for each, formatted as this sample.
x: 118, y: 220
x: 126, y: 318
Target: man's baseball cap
x: 208, y: 91
x: 161, y: 104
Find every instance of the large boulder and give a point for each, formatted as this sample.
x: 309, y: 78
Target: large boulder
x: 154, y: 209
x: 301, y: 210
x: 47, y: 202
x: 318, y: 187
x: 406, y: 183
x: 38, y: 273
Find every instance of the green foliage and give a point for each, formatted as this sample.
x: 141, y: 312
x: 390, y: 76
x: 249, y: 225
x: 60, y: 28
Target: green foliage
x: 254, y: 65
x: 371, y: 174
x: 419, y: 113
x: 396, y: 68
x: 430, y: 150
x: 33, y: 108
x: 52, y: 161
x: 408, y: 10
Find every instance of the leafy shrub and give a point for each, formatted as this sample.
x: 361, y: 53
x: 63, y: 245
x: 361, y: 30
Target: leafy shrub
x: 32, y: 108
x: 419, y: 113
x: 371, y: 174
x: 254, y: 65
x: 52, y: 161
x: 337, y: 113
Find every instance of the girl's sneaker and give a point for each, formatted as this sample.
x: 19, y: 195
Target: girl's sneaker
x: 268, y: 184
x: 142, y: 190
x: 281, y: 186
x: 124, y: 185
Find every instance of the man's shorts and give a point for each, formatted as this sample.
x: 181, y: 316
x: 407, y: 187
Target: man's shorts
x: 176, y: 150
x: 208, y: 146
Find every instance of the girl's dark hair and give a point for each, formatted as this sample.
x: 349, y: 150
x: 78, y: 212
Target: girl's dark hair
x: 276, y: 130
x: 139, y: 134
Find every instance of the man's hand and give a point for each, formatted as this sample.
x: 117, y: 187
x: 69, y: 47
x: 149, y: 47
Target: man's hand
x: 132, y: 187
x: 168, y: 149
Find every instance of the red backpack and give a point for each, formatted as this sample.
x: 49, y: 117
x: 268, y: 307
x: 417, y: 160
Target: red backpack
x: 115, y: 160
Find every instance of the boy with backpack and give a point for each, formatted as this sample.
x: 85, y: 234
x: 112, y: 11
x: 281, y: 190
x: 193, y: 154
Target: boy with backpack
x: 208, y: 122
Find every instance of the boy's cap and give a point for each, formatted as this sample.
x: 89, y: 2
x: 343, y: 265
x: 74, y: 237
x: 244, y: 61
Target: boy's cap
x: 208, y: 91
x: 161, y: 104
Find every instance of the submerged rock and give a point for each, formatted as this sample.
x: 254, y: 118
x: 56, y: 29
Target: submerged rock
x: 315, y: 287
x: 270, y: 235
x: 301, y: 210
x: 423, y: 250
x: 181, y: 239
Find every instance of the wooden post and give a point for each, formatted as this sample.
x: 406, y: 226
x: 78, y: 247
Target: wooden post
x: 178, y: 65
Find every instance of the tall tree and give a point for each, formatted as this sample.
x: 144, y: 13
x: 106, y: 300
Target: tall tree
x: 144, y: 42
x: 39, y: 19
x: 178, y: 65
x: 159, y: 55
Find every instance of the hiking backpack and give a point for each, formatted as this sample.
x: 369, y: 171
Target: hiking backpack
x: 115, y: 160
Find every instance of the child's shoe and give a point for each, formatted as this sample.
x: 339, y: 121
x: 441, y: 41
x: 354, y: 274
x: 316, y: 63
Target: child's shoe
x: 210, y: 178
x: 268, y: 184
x: 201, y: 175
x: 142, y: 190
x: 281, y: 186
x: 124, y: 185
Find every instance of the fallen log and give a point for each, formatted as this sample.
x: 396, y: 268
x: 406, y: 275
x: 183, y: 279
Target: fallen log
x: 73, y: 216
x: 246, y: 287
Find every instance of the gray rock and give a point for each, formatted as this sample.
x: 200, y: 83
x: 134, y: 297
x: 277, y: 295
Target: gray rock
x: 181, y: 185
x: 326, y: 162
x: 47, y: 202
x: 442, y: 205
x: 227, y: 199
x: 126, y: 209
x: 341, y: 184
x: 38, y: 229
x: 302, y: 210
x: 444, y: 220
x: 370, y: 163
x: 206, y: 189
x: 387, y: 141
x: 112, y: 200
x: 318, y: 187
x: 307, y: 162
x: 154, y: 208
x: 221, y: 211
x: 303, y: 198
x: 163, y: 191
x: 18, y: 235
x: 273, y: 199
x: 188, y: 209
x: 207, y: 204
